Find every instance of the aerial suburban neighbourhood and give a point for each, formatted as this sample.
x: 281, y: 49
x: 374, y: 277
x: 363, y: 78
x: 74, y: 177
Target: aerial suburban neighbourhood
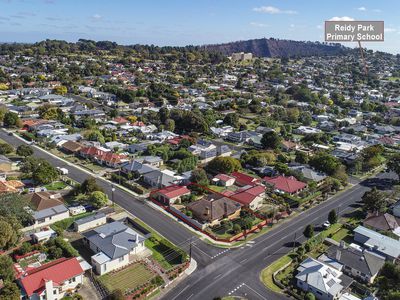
x: 258, y: 169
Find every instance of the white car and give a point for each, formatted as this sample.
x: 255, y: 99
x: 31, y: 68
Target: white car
x: 326, y: 224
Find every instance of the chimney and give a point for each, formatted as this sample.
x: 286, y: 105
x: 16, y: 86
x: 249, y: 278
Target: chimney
x: 225, y: 209
x: 207, y: 213
x: 338, y: 254
x: 49, y: 290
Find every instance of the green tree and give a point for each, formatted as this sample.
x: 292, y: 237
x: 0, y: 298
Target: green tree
x: 6, y: 148
x: 393, y: 164
x: 374, y: 201
x: 170, y: 125
x: 309, y: 296
x: 89, y: 186
x: 60, y: 90
x: 332, y: 217
x: 223, y: 165
x: 237, y: 229
x: 11, y: 119
x: 271, y: 140
x: 10, y: 291
x: 301, y: 157
x: 94, y: 135
x: 232, y: 119
x: 9, y: 232
x: 199, y: 176
x: 24, y: 150
x: 98, y: 199
x: 309, y: 231
x: 325, y: 162
x: 6, y: 268
x: 45, y: 173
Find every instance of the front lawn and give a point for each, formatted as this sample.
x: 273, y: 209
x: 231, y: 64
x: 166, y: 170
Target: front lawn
x: 127, y: 279
x: 163, y: 251
x: 267, y: 273
x: 55, y: 186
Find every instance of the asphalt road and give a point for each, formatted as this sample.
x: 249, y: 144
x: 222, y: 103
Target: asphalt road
x: 163, y: 224
x: 233, y: 271
x: 237, y: 273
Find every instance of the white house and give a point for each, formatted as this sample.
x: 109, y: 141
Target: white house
x: 115, y: 245
x: 53, y: 280
x: 90, y: 222
x: 324, y: 281
x: 50, y: 215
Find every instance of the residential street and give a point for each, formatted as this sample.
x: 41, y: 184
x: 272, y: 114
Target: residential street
x: 236, y: 271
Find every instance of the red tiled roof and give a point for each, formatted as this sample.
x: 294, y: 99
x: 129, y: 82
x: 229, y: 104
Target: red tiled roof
x: 173, y: 191
x: 120, y: 120
x: 244, y: 179
x: 58, y: 271
x: 92, y: 151
x: 247, y: 195
x: 285, y: 184
x: 224, y: 177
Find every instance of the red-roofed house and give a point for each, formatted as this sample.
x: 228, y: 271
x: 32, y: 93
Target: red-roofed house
x: 52, y: 280
x: 252, y: 197
x: 283, y: 184
x: 244, y: 179
x: 111, y: 159
x: 224, y: 180
x: 171, y: 194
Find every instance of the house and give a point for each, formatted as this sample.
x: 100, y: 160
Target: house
x: 11, y: 186
x: 50, y: 215
x: 6, y: 165
x: 76, y: 210
x: 115, y: 245
x: 360, y: 264
x: 90, y: 222
x: 396, y: 209
x: 71, y: 147
x: 324, y: 281
x: 383, y: 222
x: 154, y: 161
x: 160, y: 179
x: 250, y: 196
x: 137, y: 168
x: 378, y: 243
x: 53, y: 280
x: 213, y: 209
x: 110, y: 159
x: 171, y: 194
x: 244, y: 179
x: 288, y: 146
x: 43, y: 235
x: 309, y: 174
x: 224, y: 180
x: 303, y: 130
x: 43, y: 200
x: 205, y: 150
x: 242, y: 136
x: 283, y: 184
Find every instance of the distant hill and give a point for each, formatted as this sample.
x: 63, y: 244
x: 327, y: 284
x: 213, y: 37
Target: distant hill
x: 278, y: 48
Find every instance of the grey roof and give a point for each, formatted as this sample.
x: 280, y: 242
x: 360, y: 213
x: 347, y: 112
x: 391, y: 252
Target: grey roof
x: 309, y: 173
x: 114, y: 239
x: 52, y: 211
x: 138, y: 167
x: 379, y: 242
x: 161, y: 178
x: 4, y: 159
x: 90, y: 218
x: 320, y: 276
x: 365, y: 261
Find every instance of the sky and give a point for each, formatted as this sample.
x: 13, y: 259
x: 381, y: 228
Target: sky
x: 189, y: 22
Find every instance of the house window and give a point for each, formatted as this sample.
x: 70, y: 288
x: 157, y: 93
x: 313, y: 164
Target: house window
x: 74, y: 279
x: 54, y: 292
